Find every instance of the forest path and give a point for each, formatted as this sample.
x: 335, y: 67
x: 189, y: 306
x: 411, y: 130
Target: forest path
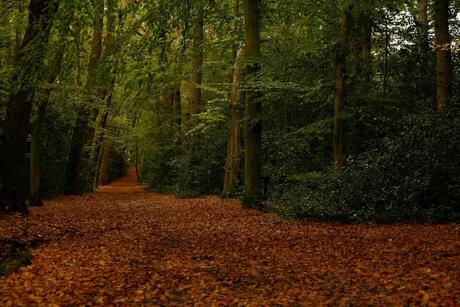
x: 123, y: 246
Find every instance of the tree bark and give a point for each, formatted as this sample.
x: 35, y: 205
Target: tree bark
x: 37, y: 125
x: 366, y: 34
x: 81, y: 129
x: 443, y: 53
x: 339, y: 92
x: 195, y: 102
x: 253, y: 131
x: 232, y: 164
x: 104, y: 164
x: 17, y: 127
x: 177, y: 116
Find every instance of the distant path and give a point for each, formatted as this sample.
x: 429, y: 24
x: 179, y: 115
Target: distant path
x: 123, y: 246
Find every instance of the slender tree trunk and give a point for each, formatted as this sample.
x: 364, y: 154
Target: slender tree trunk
x: 37, y: 125
x: 101, y: 134
x: 17, y: 16
x: 17, y: 127
x: 422, y: 30
x: 104, y: 164
x: 177, y: 116
x: 81, y: 128
x: 253, y: 131
x: 443, y: 53
x: 195, y: 103
x: 232, y: 164
x: 339, y: 93
x: 366, y: 33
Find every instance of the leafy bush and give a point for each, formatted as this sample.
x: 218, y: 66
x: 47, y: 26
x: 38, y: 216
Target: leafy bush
x: 158, y: 167
x: 203, y: 174
x: 414, y: 175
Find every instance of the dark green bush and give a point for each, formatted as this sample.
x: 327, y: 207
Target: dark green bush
x: 203, y: 174
x: 414, y: 175
x: 158, y: 167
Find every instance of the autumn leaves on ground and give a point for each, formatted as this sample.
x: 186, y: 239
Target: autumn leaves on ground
x: 121, y: 245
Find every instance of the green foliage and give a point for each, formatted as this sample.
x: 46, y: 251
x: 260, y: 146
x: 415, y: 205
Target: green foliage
x: 199, y: 175
x: 159, y: 167
x: 413, y: 175
x: 54, y: 152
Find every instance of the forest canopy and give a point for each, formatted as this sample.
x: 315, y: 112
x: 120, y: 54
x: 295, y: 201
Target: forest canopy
x: 326, y: 110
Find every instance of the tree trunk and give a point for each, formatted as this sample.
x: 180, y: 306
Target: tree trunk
x: 339, y: 92
x: 104, y: 164
x: 422, y: 29
x: 17, y: 126
x: 37, y: 125
x: 16, y: 20
x: 101, y: 134
x: 253, y: 131
x: 81, y: 128
x: 443, y: 53
x: 366, y: 33
x: 177, y: 115
x: 232, y: 164
x: 195, y: 103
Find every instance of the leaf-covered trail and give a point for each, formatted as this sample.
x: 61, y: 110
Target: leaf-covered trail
x: 121, y: 245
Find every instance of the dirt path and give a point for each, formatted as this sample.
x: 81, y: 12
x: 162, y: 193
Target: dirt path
x: 123, y: 246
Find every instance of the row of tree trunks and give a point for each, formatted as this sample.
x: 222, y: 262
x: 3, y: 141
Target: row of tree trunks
x: 27, y: 70
x: 443, y: 62
x: 112, y: 48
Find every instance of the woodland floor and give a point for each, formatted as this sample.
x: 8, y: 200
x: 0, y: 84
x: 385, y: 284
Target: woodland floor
x: 123, y: 246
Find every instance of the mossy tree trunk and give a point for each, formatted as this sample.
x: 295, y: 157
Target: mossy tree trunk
x: 195, y: 103
x: 232, y: 164
x: 339, y: 90
x: 253, y: 130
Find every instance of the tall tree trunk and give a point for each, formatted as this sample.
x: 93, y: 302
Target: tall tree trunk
x: 104, y: 164
x: 232, y: 164
x: 422, y: 30
x: 339, y: 92
x: 195, y: 102
x: 253, y: 131
x: 443, y: 53
x: 81, y: 128
x: 177, y: 116
x: 17, y: 127
x: 17, y: 16
x: 37, y: 125
x: 366, y: 34
x: 101, y: 134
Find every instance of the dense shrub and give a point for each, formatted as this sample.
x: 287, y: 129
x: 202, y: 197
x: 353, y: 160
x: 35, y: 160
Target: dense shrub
x: 54, y: 152
x: 203, y: 174
x: 158, y: 167
x: 414, y: 175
